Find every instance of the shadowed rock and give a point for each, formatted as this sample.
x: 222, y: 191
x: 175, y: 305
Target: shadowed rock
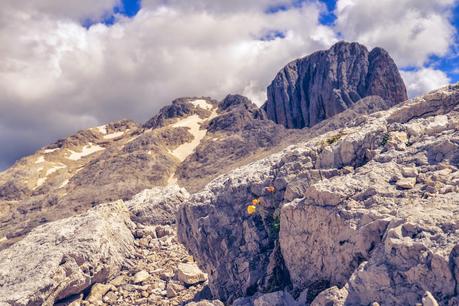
x: 326, y: 83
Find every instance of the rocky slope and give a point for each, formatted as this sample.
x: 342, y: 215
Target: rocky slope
x: 368, y: 211
x: 110, y: 255
x: 191, y: 141
x: 325, y: 83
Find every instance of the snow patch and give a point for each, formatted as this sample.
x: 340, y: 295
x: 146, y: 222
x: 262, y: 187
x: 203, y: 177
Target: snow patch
x: 172, y: 180
x: 193, y: 123
x: 40, y: 159
x: 87, y: 150
x: 55, y: 168
x: 132, y: 139
x: 114, y: 135
x: 50, y: 150
x: 102, y: 129
x: 40, y: 182
x: 64, y: 183
x: 202, y: 104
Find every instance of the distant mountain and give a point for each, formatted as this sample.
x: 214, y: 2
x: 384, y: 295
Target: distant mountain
x: 190, y: 141
x: 325, y: 83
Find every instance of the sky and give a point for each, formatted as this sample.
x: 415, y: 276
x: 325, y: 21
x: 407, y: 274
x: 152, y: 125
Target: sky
x: 74, y: 64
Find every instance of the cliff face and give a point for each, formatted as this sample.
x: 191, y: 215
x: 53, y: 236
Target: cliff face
x: 325, y: 83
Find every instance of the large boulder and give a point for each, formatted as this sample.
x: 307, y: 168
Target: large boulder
x: 65, y: 257
x: 325, y: 83
x: 157, y: 206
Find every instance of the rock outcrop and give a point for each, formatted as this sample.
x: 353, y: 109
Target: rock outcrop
x: 344, y: 221
x: 158, y: 205
x: 110, y: 255
x: 65, y: 257
x: 323, y: 84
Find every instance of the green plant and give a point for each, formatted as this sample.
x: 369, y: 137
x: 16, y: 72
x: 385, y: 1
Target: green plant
x: 334, y: 138
x: 385, y: 139
x: 276, y: 224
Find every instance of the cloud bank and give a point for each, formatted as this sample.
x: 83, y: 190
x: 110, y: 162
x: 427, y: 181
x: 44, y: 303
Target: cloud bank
x: 57, y: 76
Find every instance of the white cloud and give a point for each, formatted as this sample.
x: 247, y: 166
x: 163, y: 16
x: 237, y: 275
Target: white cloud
x: 57, y: 77
x: 411, y: 30
x: 424, y: 80
x: 71, y: 9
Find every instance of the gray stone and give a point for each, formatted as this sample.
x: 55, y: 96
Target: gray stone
x: 347, y: 229
x: 54, y: 260
x: 325, y: 83
x: 190, y: 274
x: 141, y: 276
x: 158, y: 205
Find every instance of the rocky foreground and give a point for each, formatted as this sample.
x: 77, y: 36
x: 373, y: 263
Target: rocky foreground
x: 363, y: 214
x: 107, y: 256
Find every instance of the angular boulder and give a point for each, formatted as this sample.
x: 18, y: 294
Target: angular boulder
x: 65, y: 257
x: 157, y: 206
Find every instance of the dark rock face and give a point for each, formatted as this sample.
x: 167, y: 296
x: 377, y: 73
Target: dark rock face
x: 179, y: 108
x: 326, y: 83
x: 236, y: 112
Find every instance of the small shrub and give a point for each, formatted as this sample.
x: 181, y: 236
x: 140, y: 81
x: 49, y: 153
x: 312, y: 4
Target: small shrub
x: 276, y: 224
x: 385, y: 139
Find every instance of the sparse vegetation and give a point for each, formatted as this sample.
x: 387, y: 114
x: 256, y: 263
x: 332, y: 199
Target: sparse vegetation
x: 385, y: 139
x: 333, y: 139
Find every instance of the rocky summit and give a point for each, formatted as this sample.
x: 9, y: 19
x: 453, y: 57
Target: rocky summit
x: 213, y: 203
x: 323, y: 84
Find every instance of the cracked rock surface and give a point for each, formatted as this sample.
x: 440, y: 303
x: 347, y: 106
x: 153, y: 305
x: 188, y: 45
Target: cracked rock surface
x: 370, y: 208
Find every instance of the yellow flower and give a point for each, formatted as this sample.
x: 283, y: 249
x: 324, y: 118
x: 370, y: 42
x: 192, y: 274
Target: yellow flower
x: 251, y: 209
x: 255, y: 201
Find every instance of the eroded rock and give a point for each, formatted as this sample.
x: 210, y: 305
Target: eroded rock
x: 190, y: 274
x: 65, y: 257
x: 356, y: 212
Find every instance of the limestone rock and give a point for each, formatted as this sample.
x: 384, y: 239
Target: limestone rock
x: 97, y: 292
x: 410, y: 172
x: 429, y: 300
x: 190, y: 274
x: 406, y: 183
x: 344, y: 222
x: 172, y: 289
x: 141, y: 276
x: 331, y: 297
x: 158, y: 205
x: 54, y: 260
x: 206, y: 303
x: 325, y: 83
x: 278, y: 298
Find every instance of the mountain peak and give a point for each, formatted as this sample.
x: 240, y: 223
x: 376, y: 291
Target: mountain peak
x: 181, y: 107
x: 325, y: 83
